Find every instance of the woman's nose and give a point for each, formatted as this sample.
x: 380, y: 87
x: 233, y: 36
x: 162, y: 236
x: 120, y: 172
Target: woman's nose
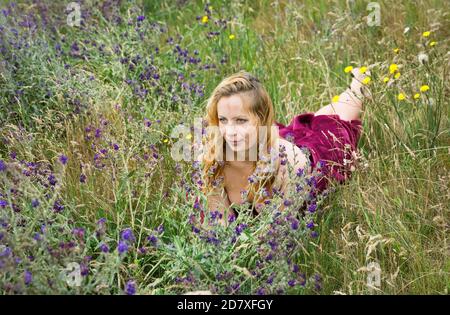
x: 231, y: 130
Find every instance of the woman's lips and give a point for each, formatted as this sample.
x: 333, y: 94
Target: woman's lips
x: 235, y: 142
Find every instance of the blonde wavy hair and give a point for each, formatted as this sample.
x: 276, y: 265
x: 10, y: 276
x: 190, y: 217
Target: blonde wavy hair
x: 259, y: 105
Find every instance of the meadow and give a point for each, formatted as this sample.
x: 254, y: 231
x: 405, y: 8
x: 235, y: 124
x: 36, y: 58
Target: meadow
x: 92, y: 201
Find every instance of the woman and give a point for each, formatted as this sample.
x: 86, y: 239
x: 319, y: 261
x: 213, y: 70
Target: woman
x: 242, y: 112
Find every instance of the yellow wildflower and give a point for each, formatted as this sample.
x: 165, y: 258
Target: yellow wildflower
x: 166, y: 140
x: 393, y: 67
x: 362, y: 69
x: 401, y: 97
x: 205, y: 19
x: 231, y: 36
x: 386, y: 80
x: 348, y: 69
x: 335, y: 99
x: 416, y: 96
x: 366, y: 80
x: 397, y: 75
x: 396, y: 50
x: 433, y: 43
x: 426, y: 34
x: 424, y: 88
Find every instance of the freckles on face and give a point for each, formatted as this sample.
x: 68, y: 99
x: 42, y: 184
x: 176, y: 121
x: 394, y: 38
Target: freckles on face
x: 236, y: 125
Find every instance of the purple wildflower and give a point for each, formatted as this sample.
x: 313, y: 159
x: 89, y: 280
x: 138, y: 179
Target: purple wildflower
x: 294, y: 224
x: 153, y: 239
x: 261, y: 291
x: 291, y: 282
x: 140, y: 18
x: 160, y: 229
x: 122, y: 248
x: 3, y: 203
x: 2, y: 166
x: 104, y: 248
x: 37, y: 236
x: 312, y: 207
x: 63, y: 159
x: 128, y: 235
x: 52, y: 180
x: 130, y: 288
x: 240, y: 228
x: 57, y: 206
x: 35, y: 203
x: 78, y: 232
x: 27, y: 277
x: 84, y: 270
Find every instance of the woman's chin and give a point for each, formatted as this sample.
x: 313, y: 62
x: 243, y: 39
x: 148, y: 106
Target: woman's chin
x: 236, y: 148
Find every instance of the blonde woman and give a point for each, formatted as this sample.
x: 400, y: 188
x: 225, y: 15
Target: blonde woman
x: 237, y: 109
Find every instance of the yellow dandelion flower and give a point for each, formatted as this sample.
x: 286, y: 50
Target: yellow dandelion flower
x: 231, y: 36
x: 396, y: 50
x: 392, y: 68
x: 189, y: 137
x: 433, y: 43
x: 424, y: 88
x: 401, y: 97
x: 386, y: 80
x: 366, y: 80
x: 205, y: 19
x: 335, y: 99
x: 348, y: 69
x: 426, y: 34
x: 166, y: 140
x: 416, y: 96
x: 362, y: 69
x: 397, y: 75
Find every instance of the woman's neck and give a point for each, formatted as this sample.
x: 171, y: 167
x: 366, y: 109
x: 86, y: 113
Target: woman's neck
x: 240, y: 164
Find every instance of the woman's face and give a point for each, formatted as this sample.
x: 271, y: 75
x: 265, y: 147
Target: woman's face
x: 237, y: 127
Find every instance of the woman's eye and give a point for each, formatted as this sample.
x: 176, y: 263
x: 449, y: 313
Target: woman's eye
x: 242, y: 121
x: 222, y: 120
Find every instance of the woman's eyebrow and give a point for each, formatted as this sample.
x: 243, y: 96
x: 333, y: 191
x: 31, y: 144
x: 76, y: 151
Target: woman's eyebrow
x: 237, y: 117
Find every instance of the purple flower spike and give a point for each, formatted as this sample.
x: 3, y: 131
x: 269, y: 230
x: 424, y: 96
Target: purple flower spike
x: 63, y: 159
x: 312, y: 208
x: 28, y: 277
x: 104, y: 248
x: 130, y: 288
x: 294, y: 224
x: 35, y: 203
x: 122, y: 248
x: 128, y: 235
x: 2, y: 166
